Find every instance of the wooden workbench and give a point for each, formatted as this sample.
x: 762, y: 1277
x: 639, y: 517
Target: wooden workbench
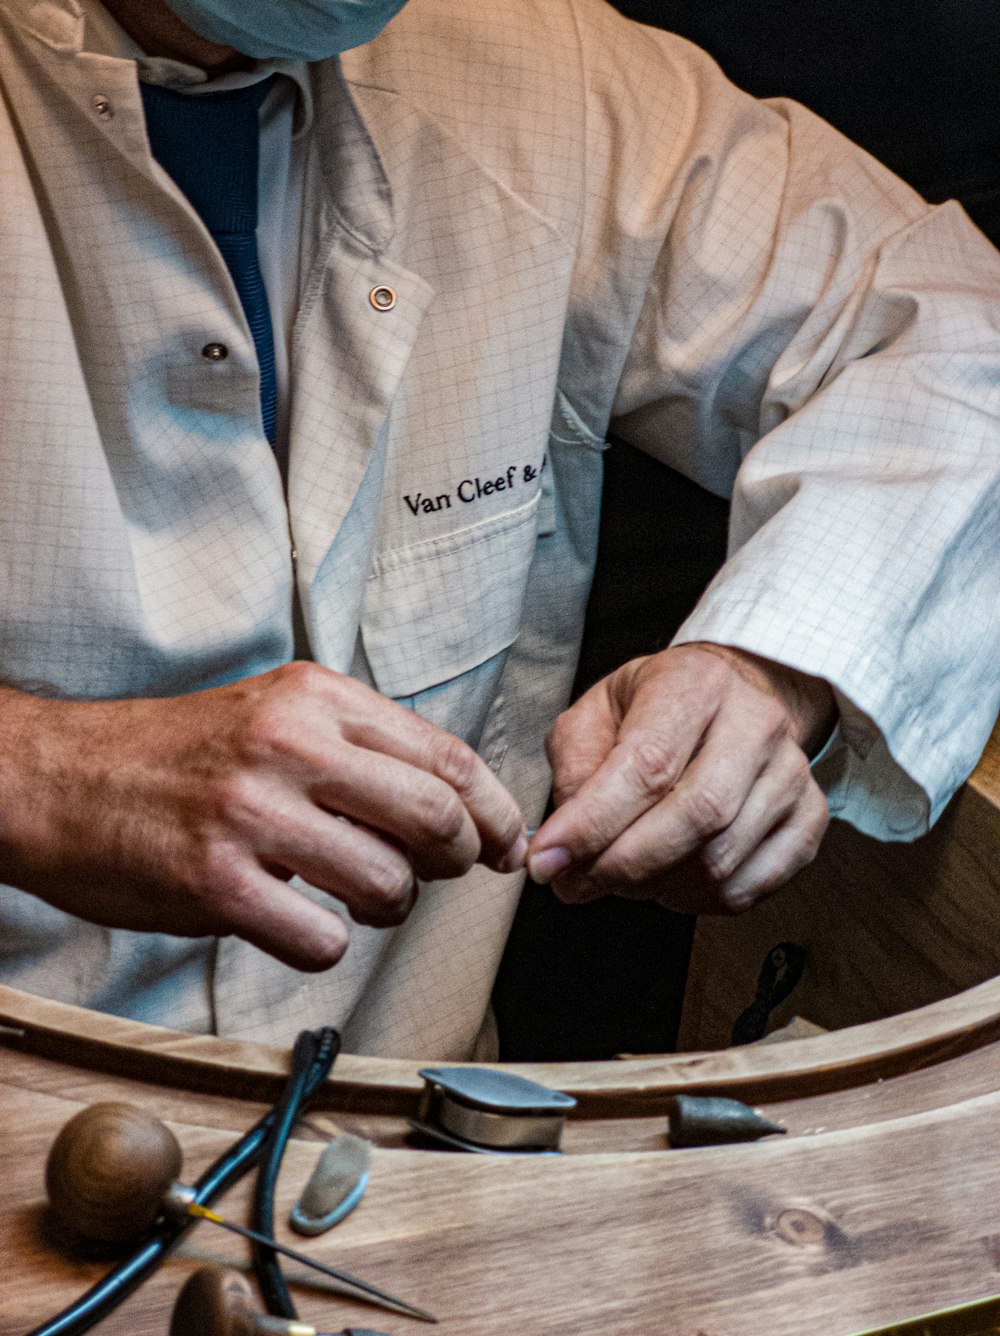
x: 881, y: 1202
x: 898, y: 1176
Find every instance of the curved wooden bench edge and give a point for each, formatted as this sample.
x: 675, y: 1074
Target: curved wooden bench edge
x: 629, y: 1088
x: 985, y: 779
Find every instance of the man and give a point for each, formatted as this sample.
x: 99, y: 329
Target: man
x: 483, y: 236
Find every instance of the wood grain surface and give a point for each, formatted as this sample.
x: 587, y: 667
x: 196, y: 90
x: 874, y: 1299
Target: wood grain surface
x: 826, y: 1233
x: 880, y: 1203
x: 376, y: 1086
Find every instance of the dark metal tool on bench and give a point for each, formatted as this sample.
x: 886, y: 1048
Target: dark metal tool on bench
x: 706, y: 1120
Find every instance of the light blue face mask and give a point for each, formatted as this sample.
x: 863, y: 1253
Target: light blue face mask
x: 295, y: 29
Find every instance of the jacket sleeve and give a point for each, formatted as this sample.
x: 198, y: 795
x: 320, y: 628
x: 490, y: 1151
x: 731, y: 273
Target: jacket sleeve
x: 805, y: 334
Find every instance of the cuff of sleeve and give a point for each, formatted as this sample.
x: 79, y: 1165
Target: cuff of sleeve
x: 865, y: 785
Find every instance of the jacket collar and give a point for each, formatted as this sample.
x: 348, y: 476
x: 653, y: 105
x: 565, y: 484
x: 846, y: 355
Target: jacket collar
x: 355, y: 179
x: 57, y: 23
x: 357, y: 185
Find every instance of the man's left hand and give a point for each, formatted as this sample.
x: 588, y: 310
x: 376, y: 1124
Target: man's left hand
x: 684, y: 778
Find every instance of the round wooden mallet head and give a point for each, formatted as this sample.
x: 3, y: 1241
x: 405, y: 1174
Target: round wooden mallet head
x: 108, y: 1170
x: 215, y: 1301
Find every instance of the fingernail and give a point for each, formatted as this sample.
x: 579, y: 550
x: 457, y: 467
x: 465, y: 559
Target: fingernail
x: 548, y: 864
x: 513, y: 859
x: 577, y: 891
x: 738, y: 901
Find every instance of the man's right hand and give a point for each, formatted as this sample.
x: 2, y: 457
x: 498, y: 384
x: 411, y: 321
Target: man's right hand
x: 190, y: 815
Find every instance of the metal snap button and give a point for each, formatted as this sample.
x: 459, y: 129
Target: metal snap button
x: 215, y: 352
x: 103, y: 106
x: 383, y: 298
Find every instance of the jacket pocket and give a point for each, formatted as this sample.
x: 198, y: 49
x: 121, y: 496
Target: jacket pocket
x: 437, y: 609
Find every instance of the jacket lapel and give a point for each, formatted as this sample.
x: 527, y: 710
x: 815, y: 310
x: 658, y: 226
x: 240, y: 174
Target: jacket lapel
x: 476, y: 272
x: 359, y: 316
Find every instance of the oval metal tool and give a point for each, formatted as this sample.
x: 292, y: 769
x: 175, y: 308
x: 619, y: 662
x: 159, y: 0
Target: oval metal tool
x: 490, y: 1112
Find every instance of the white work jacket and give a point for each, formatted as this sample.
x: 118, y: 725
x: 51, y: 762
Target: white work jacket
x: 581, y: 224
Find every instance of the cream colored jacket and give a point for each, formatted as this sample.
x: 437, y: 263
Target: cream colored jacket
x: 583, y: 223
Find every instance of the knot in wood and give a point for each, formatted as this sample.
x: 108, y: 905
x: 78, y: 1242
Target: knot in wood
x: 801, y: 1228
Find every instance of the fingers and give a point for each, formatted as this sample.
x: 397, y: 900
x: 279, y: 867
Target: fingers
x: 663, y: 720
x: 418, y: 811
x: 580, y: 741
x: 392, y: 731
x: 679, y: 762
x: 190, y: 815
x: 373, y: 878
x: 358, y: 753
x: 779, y: 789
x: 357, y: 796
x: 270, y: 915
x: 705, y: 803
x: 688, y: 887
x: 784, y: 852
